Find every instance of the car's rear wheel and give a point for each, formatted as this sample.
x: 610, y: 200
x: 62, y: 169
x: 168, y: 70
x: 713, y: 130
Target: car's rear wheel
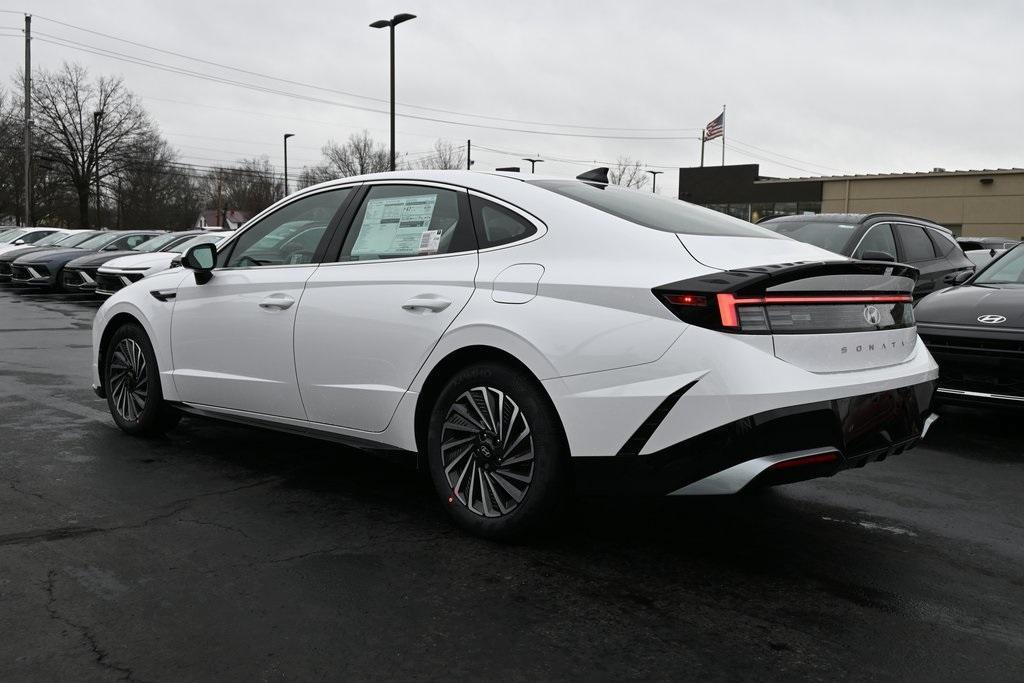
x: 496, y: 451
x: 132, y: 384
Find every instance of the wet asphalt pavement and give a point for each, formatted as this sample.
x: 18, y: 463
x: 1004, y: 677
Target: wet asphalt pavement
x: 225, y: 552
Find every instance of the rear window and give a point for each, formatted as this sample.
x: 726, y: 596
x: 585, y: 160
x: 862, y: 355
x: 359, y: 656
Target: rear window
x: 653, y: 211
x: 829, y: 235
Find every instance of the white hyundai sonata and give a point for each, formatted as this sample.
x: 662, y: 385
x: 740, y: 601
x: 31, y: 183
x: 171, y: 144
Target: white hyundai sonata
x: 523, y: 334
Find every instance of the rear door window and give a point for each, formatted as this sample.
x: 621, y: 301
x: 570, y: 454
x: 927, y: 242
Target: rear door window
x: 402, y: 221
x: 916, y: 245
x: 878, y: 238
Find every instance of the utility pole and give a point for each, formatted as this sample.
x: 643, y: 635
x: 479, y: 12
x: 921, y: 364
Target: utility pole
x: 117, y: 223
x: 96, y: 117
x: 654, y: 180
x: 286, y: 136
x: 702, y: 141
x: 469, y: 155
x: 28, y: 120
x: 220, y: 203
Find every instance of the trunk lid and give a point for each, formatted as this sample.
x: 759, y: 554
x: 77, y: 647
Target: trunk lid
x: 732, y: 252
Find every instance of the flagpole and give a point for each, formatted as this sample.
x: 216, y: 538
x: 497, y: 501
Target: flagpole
x: 702, y: 149
x: 723, y: 135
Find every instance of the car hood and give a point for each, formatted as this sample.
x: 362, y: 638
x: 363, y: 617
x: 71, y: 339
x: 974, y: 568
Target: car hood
x: 152, y: 260
x: 21, y: 251
x: 98, y: 258
x: 965, y: 304
x: 732, y: 253
x: 54, y: 254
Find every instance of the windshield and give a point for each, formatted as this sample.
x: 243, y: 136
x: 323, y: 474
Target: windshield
x: 198, y: 239
x: 12, y: 235
x: 654, y: 211
x: 52, y: 238
x: 77, y: 238
x: 156, y: 243
x: 97, y: 242
x: 824, y: 234
x: 1008, y: 270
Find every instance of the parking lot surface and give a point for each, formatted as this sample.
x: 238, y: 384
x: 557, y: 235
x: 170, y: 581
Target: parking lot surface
x: 226, y: 552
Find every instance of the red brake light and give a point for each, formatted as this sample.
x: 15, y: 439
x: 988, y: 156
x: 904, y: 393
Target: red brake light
x: 727, y: 303
x: 687, y: 299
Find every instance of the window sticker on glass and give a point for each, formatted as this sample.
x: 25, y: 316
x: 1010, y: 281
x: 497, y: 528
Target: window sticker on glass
x: 398, y: 226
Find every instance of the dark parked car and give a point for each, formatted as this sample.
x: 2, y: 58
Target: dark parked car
x: 43, y: 268
x: 927, y: 246
x: 53, y: 241
x: 976, y: 333
x: 80, y: 274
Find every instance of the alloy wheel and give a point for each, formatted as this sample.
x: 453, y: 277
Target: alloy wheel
x: 128, y: 379
x: 487, y: 452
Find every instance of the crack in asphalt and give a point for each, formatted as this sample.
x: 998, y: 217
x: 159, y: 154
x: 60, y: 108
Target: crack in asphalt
x: 62, y: 533
x: 100, y: 655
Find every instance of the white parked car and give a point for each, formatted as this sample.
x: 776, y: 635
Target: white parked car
x: 122, y: 271
x: 522, y: 334
x: 17, y: 238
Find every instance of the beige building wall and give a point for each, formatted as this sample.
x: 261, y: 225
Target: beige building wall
x: 958, y: 201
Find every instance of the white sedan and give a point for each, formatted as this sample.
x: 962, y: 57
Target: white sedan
x: 524, y: 334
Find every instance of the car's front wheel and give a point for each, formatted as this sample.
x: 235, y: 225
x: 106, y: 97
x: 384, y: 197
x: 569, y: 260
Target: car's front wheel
x: 132, y: 384
x: 496, y: 451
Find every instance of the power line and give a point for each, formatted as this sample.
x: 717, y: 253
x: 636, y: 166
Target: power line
x: 768, y: 151
x: 351, y: 94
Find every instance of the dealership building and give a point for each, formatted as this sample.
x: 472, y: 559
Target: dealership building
x: 971, y: 203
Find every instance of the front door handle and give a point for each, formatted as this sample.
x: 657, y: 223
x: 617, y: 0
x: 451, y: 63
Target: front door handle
x: 277, y: 301
x: 427, y: 302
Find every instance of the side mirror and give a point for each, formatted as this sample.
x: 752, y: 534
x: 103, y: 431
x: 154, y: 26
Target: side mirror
x: 201, y: 258
x: 878, y: 256
x: 963, y: 276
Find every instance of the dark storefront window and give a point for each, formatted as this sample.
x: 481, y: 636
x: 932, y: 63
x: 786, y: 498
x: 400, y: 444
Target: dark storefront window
x: 764, y: 210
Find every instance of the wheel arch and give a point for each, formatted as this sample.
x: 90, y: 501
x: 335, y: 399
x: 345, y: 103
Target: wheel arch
x: 450, y: 364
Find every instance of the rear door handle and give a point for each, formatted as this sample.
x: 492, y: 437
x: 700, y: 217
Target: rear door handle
x: 427, y: 302
x: 277, y: 301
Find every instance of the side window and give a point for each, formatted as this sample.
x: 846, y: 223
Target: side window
x: 34, y: 237
x: 878, y: 238
x: 290, y: 235
x: 943, y: 244
x: 496, y: 225
x: 397, y: 221
x: 916, y: 245
x: 127, y: 242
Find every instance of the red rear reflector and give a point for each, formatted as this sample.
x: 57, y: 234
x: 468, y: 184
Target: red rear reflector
x: 687, y: 299
x: 816, y: 459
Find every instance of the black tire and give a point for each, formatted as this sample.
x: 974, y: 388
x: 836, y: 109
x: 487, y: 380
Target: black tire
x: 155, y: 416
x: 498, y: 462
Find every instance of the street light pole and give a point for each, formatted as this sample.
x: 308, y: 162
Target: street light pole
x: 533, y: 163
x: 96, y: 116
x: 391, y: 24
x: 286, y: 136
x: 654, y: 180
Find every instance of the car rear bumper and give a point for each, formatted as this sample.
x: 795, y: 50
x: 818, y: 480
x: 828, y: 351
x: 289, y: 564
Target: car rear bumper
x: 773, y: 447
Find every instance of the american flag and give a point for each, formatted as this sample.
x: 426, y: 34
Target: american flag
x: 716, y: 128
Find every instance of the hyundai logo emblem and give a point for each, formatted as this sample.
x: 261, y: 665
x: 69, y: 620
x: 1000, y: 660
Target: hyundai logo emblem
x: 991, y: 319
x: 872, y: 315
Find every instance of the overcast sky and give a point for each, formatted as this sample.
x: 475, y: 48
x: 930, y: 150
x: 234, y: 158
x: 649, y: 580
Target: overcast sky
x: 812, y: 87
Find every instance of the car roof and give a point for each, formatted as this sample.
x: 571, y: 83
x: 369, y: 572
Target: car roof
x: 858, y: 218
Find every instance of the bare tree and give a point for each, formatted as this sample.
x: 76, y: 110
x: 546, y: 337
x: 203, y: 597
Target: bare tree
x: 250, y: 186
x: 359, y: 155
x: 154, y: 191
x: 11, y: 164
x: 628, y: 172
x: 73, y: 141
x: 445, y: 155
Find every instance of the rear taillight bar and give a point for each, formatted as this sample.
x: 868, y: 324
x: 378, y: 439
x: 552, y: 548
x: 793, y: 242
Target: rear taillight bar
x: 727, y: 303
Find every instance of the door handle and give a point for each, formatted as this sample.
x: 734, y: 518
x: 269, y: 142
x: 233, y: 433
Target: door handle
x: 277, y: 301
x: 427, y: 302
